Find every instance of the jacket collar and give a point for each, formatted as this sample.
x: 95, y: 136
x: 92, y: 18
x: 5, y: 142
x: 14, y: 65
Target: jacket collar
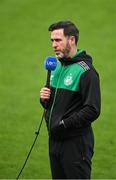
x: 72, y: 59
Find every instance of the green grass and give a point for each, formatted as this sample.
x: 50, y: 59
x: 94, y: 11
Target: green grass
x: 24, y: 44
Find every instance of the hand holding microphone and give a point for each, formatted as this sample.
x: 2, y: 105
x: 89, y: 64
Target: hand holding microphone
x: 45, y: 94
x: 50, y: 65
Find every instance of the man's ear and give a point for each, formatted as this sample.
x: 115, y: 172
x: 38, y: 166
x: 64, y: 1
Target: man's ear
x: 72, y: 39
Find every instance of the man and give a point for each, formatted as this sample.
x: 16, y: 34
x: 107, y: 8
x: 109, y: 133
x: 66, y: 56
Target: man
x: 73, y: 103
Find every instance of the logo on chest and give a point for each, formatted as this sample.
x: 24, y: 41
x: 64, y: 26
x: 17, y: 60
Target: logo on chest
x: 68, y: 80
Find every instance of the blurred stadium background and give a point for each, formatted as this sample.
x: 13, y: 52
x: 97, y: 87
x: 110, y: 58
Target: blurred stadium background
x: 24, y: 44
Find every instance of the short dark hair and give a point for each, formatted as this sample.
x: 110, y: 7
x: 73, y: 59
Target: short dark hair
x: 69, y: 29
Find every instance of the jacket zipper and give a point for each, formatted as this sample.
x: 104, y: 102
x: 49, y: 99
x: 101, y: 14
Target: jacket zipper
x: 49, y: 121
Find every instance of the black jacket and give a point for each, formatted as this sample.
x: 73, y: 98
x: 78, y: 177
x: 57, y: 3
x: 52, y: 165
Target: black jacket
x: 75, y: 97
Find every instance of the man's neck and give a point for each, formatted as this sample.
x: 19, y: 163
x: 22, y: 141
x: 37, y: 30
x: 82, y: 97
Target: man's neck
x: 72, y: 52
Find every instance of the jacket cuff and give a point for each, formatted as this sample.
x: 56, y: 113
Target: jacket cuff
x: 44, y: 103
x: 67, y: 122
x: 73, y: 121
x: 62, y: 123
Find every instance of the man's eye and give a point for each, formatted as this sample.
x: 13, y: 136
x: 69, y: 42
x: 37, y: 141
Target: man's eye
x: 57, y: 40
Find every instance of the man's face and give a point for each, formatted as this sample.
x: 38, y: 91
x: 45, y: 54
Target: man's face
x: 60, y: 43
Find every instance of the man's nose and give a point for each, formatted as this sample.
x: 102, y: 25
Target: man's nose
x: 54, y: 44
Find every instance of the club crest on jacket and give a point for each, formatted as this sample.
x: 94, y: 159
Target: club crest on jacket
x: 68, y: 80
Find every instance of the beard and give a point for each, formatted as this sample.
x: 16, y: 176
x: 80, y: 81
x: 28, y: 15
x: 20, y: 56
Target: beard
x: 65, y: 52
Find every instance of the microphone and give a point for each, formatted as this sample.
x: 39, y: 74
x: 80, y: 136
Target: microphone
x: 50, y: 65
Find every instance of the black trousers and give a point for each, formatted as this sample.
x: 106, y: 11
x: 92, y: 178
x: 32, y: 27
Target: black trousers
x: 71, y: 159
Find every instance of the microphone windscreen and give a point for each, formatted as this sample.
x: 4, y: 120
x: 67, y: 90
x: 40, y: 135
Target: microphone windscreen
x: 50, y: 63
